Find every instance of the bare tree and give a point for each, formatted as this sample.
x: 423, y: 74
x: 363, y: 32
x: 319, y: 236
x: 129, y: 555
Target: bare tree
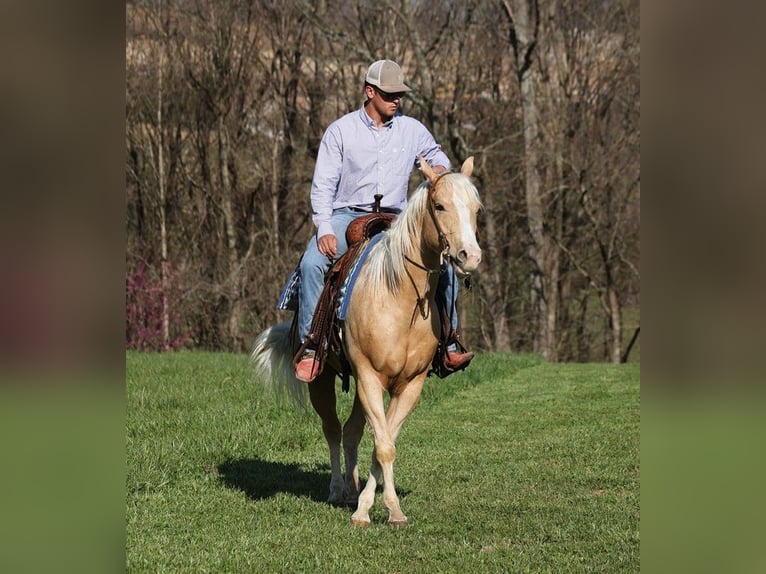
x: 569, y: 72
x: 524, y: 30
x: 593, y: 67
x: 153, y: 139
x: 227, y: 104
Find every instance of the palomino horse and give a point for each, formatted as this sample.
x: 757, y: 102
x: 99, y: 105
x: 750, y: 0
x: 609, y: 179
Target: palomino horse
x: 390, y: 334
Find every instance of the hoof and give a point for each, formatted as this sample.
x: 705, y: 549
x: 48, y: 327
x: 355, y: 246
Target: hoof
x: 336, y: 498
x: 398, y: 523
x: 359, y: 522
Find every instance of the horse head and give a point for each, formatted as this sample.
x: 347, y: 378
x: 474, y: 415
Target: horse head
x: 454, y: 204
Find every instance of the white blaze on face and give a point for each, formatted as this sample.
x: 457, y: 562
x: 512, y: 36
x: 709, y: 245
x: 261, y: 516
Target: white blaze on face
x: 467, y: 253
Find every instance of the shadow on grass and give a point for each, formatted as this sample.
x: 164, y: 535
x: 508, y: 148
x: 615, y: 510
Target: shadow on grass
x: 260, y: 479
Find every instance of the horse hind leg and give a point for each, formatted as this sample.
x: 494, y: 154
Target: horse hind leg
x: 322, y: 395
x: 381, y: 470
x: 361, y: 516
x: 352, y: 436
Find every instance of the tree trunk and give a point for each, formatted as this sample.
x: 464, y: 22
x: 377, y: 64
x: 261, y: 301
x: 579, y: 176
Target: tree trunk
x: 615, y: 320
x: 524, y: 18
x: 492, y: 282
x: 633, y: 339
x: 232, y: 289
x: 162, y: 188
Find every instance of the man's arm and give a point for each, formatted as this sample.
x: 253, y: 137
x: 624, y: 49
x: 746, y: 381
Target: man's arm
x: 323, y: 188
x: 432, y: 152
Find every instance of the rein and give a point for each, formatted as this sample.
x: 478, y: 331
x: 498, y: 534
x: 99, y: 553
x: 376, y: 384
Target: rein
x: 421, y: 300
x: 419, y: 266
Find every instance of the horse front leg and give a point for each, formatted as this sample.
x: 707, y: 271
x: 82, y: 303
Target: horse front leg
x: 322, y: 395
x: 370, y: 393
x: 400, y: 407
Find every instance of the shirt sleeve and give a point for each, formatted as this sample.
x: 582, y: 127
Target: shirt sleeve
x: 431, y: 150
x: 324, y: 186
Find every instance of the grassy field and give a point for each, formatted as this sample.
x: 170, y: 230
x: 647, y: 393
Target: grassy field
x: 513, y: 466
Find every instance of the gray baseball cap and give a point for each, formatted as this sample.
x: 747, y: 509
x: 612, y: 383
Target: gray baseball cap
x: 387, y: 76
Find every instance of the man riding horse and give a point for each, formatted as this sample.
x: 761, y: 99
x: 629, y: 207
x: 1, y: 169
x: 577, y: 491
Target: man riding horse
x: 366, y: 153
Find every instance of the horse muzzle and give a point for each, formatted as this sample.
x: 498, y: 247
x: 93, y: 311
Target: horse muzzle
x: 467, y: 260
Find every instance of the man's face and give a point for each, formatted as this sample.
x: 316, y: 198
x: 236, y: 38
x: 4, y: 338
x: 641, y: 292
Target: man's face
x: 384, y: 103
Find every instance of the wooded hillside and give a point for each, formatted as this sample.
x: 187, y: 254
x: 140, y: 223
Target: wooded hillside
x: 226, y: 103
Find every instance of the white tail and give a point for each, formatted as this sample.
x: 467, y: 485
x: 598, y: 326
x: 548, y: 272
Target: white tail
x: 271, y: 360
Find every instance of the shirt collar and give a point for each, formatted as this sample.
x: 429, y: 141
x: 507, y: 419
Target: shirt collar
x: 369, y: 122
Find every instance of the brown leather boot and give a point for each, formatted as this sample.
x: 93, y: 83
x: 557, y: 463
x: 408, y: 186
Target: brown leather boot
x: 307, y: 368
x: 456, y: 360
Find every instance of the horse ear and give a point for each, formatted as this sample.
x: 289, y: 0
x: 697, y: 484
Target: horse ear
x: 467, y: 168
x: 427, y: 170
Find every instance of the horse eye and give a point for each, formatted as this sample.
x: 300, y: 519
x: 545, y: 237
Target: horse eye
x: 438, y: 207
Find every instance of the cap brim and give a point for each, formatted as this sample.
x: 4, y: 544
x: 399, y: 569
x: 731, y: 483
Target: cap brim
x: 395, y: 88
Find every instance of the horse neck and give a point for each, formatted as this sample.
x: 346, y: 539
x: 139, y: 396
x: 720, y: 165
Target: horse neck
x: 416, y: 247
x: 406, y: 239
x: 422, y: 261
x: 426, y: 256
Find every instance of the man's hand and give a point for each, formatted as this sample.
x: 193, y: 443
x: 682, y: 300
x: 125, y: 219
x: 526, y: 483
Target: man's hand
x: 328, y: 245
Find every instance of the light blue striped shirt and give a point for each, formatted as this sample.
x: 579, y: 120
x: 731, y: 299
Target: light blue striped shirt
x: 356, y: 160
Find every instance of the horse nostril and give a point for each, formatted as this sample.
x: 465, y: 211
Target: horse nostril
x: 462, y: 255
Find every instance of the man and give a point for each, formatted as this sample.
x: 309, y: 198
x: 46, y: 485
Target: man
x: 366, y: 152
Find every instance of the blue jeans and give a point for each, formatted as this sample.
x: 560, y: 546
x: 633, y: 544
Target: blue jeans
x: 314, y: 265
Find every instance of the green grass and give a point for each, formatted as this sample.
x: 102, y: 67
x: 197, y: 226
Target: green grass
x: 512, y: 466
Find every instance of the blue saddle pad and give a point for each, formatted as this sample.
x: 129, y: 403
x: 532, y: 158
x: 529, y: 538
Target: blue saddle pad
x: 348, y: 284
x: 288, y: 299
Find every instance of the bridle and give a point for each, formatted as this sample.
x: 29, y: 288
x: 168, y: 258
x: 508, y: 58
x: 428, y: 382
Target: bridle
x: 443, y: 242
x: 443, y: 246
